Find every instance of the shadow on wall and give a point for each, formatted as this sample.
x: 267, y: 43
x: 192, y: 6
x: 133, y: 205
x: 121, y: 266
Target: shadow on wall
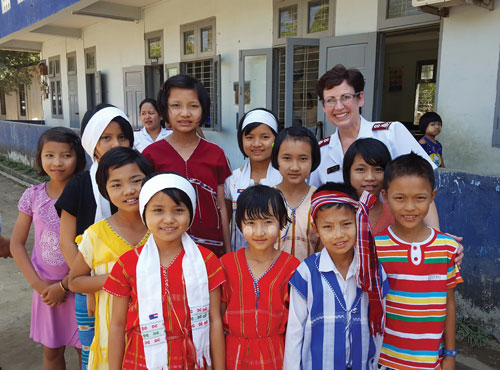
x: 469, y: 206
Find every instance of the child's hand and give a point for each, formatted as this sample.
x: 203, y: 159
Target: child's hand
x: 41, y: 286
x: 448, y: 363
x: 53, y: 295
x: 5, y: 247
x: 91, y: 304
x: 460, y: 250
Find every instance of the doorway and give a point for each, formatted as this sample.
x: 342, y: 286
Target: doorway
x: 410, y: 60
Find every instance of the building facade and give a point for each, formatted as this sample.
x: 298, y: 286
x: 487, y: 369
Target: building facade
x: 270, y: 53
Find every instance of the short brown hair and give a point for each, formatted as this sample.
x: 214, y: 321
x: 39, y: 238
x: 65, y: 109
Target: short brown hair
x: 336, y: 76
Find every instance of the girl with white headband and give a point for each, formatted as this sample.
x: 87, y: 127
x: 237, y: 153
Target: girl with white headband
x: 80, y: 205
x: 166, y: 304
x: 184, y: 104
x: 257, y: 130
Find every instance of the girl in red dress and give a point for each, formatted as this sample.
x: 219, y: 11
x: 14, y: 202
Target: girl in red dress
x: 166, y: 304
x: 184, y: 103
x: 255, y: 294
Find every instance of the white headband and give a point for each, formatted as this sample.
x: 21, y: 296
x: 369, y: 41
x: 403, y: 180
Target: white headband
x: 164, y: 181
x: 260, y: 116
x: 96, y: 126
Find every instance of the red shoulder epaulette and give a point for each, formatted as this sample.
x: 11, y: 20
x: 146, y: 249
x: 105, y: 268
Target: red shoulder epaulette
x: 381, y: 126
x: 137, y: 129
x: 324, y: 141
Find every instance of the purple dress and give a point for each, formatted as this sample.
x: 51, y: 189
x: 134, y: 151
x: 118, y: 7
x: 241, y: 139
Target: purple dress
x: 51, y: 326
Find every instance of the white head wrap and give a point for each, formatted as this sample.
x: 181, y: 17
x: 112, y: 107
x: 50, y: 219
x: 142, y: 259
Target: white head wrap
x: 149, y: 294
x: 93, y: 131
x: 261, y: 116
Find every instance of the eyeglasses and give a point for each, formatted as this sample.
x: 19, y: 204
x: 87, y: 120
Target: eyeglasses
x: 345, y: 99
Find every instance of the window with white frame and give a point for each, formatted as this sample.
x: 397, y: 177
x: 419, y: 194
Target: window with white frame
x: 154, y: 47
x: 55, y: 87
x: 22, y: 101
x: 198, y: 39
x: 302, y: 18
x: 393, y: 14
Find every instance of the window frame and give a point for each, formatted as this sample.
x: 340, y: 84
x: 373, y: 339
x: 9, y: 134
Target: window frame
x: 196, y: 28
x: 71, y: 55
x: 216, y: 81
x: 302, y: 20
x: 383, y: 23
x: 153, y: 35
x: 55, y: 91
x: 3, y: 106
x: 91, y: 50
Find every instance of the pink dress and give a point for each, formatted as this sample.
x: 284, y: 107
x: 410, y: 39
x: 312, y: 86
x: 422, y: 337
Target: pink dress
x: 51, y: 326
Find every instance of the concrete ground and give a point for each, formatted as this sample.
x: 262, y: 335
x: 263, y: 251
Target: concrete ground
x: 19, y: 352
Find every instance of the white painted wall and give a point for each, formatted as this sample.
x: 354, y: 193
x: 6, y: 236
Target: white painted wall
x: 357, y: 16
x: 468, y: 88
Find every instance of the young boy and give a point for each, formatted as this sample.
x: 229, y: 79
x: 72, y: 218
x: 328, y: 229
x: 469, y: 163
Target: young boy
x: 336, y: 294
x: 419, y: 261
x: 431, y: 124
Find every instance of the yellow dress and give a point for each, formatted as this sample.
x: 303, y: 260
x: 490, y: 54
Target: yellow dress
x: 101, y: 247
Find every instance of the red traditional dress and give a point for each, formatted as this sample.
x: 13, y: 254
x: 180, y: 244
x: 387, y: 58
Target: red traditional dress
x: 206, y: 169
x: 122, y: 283
x: 257, y: 311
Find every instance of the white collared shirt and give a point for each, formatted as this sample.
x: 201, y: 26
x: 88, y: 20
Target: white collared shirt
x: 142, y: 138
x: 396, y: 137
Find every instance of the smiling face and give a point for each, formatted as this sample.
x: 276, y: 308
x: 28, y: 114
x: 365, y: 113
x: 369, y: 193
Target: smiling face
x: 123, y: 186
x: 149, y: 117
x: 343, y: 116
x: 258, y: 143
x: 166, y: 219
x: 409, y: 198
x: 366, y: 177
x: 295, y: 160
x: 112, y: 137
x: 261, y: 233
x: 336, y: 227
x: 184, y: 110
x: 58, y: 160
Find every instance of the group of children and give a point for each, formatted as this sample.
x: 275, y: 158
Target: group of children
x: 132, y: 246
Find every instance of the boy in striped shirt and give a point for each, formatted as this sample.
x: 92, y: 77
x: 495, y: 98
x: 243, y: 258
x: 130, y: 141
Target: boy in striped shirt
x: 419, y: 261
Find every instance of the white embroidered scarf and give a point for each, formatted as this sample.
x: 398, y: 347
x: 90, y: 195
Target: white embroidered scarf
x: 96, y: 126
x: 149, y: 294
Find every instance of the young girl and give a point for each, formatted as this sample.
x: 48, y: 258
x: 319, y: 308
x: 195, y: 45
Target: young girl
x: 296, y: 154
x: 184, y: 103
x: 154, y: 127
x: 170, y: 284
x: 119, y: 177
x: 59, y: 155
x: 364, y: 165
x: 256, y: 133
x: 255, y: 294
x: 80, y: 205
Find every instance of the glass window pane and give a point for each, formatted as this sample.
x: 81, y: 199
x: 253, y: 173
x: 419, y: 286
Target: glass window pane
x: 3, y: 106
x: 400, y: 8
x: 288, y: 21
x: 206, y: 39
x: 305, y: 100
x: 427, y: 72
x: 53, y: 98
x: 318, y: 16
x: 71, y: 64
x: 154, y: 48
x: 188, y: 42
x: 90, y: 60
x: 22, y: 101
x: 58, y: 67
x: 59, y: 98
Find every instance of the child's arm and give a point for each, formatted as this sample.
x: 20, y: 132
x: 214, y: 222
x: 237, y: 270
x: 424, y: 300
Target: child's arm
x: 217, y: 343
x: 432, y: 217
x: 51, y: 293
x: 80, y: 280
x: 448, y: 363
x: 297, y: 316
x: 221, y: 202
x: 67, y: 234
x: 116, y: 339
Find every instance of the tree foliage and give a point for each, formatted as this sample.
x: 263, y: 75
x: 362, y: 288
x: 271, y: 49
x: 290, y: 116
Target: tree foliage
x: 13, y: 69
